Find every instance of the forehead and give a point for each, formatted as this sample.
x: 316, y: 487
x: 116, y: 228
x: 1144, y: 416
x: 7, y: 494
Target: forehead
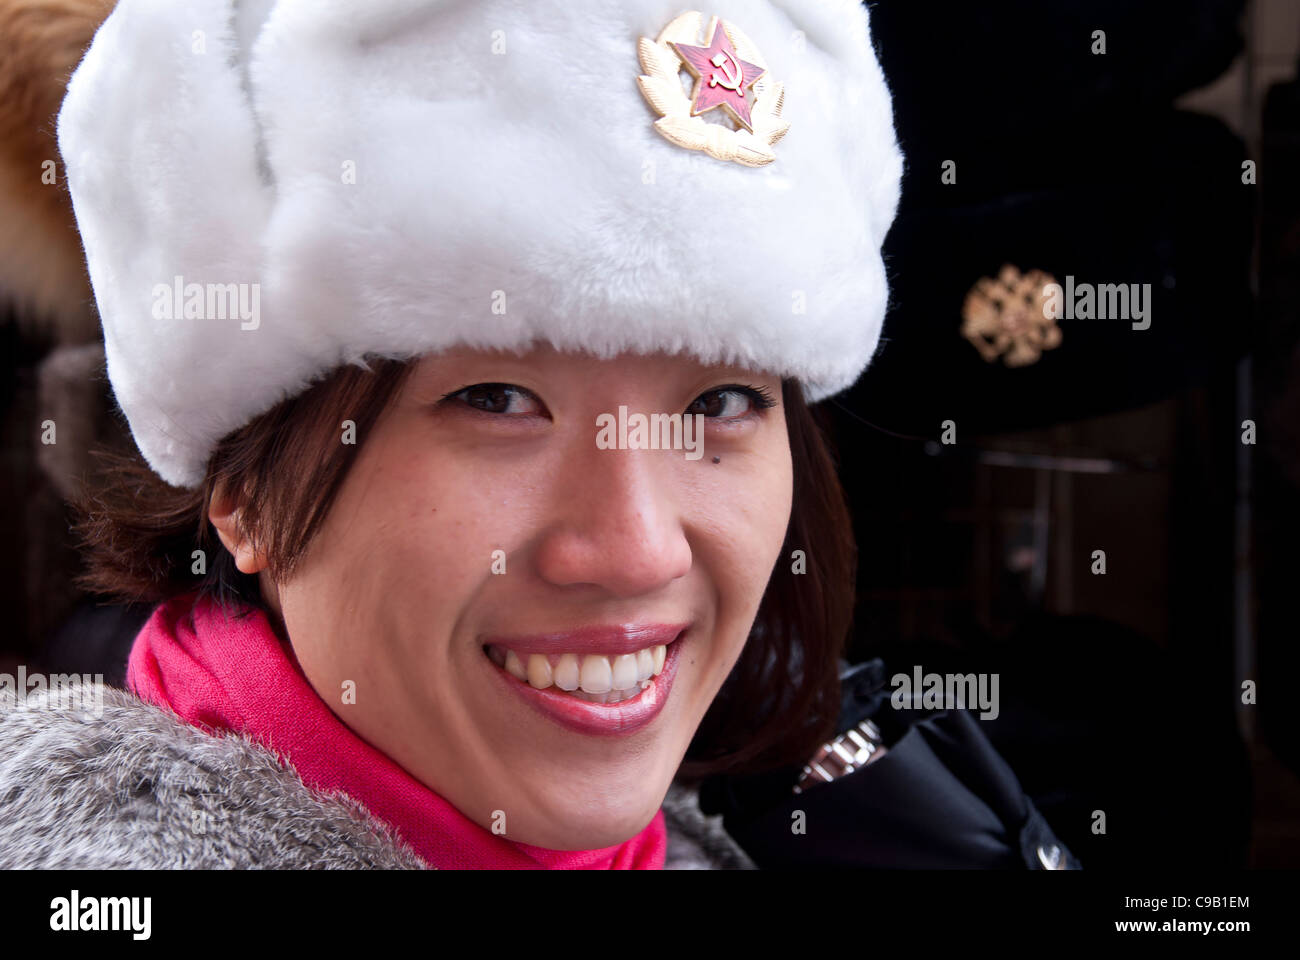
x: 546, y: 360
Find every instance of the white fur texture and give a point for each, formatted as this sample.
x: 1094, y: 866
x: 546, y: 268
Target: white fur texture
x: 477, y: 171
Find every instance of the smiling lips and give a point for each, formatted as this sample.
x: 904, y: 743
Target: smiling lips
x: 597, y: 664
x: 595, y: 679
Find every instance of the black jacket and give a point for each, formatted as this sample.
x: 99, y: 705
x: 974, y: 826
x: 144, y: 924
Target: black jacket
x: 940, y: 797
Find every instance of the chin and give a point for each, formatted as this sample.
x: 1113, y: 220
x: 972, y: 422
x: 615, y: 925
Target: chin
x: 579, y: 826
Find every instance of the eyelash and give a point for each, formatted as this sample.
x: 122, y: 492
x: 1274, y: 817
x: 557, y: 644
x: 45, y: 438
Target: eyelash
x: 503, y: 387
x: 761, y: 397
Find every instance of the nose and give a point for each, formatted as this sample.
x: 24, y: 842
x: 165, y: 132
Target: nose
x: 618, y: 523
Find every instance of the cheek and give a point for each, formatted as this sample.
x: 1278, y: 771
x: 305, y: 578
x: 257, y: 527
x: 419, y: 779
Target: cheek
x: 743, y: 514
x: 439, y: 503
x: 446, y: 519
x: 409, y: 539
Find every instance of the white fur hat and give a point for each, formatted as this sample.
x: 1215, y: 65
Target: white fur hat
x: 267, y: 189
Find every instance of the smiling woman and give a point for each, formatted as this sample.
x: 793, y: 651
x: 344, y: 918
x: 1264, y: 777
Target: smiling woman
x: 389, y: 530
x: 646, y: 573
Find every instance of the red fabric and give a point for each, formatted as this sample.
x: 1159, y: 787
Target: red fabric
x: 235, y: 675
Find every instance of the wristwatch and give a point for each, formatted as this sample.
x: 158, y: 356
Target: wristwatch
x: 850, y: 751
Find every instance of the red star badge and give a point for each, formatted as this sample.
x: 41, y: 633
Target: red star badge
x: 721, y: 77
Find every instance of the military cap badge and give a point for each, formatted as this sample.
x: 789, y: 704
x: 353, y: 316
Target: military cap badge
x: 729, y: 75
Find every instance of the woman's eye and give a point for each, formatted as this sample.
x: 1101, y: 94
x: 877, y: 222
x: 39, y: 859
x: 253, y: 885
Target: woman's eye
x: 501, y: 398
x: 731, y: 403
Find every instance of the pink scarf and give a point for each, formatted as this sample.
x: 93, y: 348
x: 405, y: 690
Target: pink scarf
x: 236, y: 675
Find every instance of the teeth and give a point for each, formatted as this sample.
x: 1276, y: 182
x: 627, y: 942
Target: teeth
x: 539, y: 672
x: 568, y: 672
x: 597, y: 674
x: 614, y: 696
x: 625, y: 672
x: 594, y: 677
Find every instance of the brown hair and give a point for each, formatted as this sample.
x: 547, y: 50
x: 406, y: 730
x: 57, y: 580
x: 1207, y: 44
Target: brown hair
x: 139, y: 534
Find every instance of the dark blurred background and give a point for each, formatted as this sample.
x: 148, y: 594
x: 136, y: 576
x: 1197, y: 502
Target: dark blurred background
x: 1120, y: 691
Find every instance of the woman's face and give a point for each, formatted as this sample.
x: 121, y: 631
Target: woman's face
x: 486, y: 520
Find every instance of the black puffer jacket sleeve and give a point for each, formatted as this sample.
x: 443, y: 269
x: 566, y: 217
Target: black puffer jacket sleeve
x: 940, y: 797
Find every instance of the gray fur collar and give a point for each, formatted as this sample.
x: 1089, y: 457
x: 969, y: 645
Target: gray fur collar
x: 137, y: 788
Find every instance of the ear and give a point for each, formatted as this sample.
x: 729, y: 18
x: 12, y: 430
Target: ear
x: 224, y: 513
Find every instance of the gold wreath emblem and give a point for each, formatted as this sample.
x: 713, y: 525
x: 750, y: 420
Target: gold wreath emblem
x: 662, y: 88
x: 1006, y: 317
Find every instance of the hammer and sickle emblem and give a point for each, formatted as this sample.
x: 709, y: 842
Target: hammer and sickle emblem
x: 725, y: 61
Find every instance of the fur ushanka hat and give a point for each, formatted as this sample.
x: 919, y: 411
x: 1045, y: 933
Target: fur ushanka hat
x: 267, y: 189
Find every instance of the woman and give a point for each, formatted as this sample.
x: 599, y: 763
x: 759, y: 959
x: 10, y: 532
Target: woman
x: 468, y: 350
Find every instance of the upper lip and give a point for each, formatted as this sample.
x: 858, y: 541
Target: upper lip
x: 614, y: 639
